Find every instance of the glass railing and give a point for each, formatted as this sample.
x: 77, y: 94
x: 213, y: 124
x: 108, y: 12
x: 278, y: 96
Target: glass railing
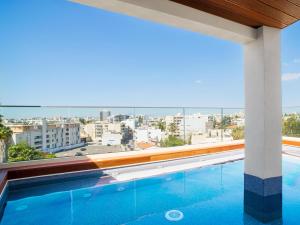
x: 42, y: 132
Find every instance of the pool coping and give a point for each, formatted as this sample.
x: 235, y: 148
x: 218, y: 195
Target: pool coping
x: 129, y: 157
x: 144, y: 170
x: 29, y: 169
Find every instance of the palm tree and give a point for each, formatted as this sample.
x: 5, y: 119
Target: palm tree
x: 5, y: 135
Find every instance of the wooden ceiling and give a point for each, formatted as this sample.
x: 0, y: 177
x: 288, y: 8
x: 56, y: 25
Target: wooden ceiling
x: 254, y: 13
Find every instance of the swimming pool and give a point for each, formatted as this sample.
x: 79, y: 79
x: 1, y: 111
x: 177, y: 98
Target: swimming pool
x: 205, y: 196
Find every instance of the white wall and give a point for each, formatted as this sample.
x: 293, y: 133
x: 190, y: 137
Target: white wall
x: 111, y: 139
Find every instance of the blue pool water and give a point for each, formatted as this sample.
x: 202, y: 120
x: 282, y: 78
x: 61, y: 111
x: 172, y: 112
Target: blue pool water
x: 206, y: 196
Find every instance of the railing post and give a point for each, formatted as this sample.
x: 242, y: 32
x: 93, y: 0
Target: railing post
x: 134, y: 119
x: 184, y: 128
x: 222, y: 124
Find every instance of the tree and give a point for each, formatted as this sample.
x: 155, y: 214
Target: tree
x: 82, y: 121
x: 172, y: 128
x: 5, y: 136
x: 172, y: 141
x: 23, y: 152
x: 238, y: 133
x: 226, y: 121
x: 140, y: 120
x: 161, y: 125
x: 215, y: 123
x: 291, y: 126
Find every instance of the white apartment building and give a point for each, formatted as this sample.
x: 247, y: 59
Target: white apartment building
x: 48, y: 136
x: 131, y: 123
x: 90, y: 131
x: 187, y: 125
x: 109, y: 138
x: 141, y: 135
x: 148, y: 135
x: 95, y: 130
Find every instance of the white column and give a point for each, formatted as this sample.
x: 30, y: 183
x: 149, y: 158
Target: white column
x: 263, y: 104
x: 263, y: 112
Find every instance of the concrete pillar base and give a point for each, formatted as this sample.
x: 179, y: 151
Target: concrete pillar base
x: 263, y: 198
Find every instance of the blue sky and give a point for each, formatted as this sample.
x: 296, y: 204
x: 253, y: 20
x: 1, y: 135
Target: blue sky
x: 54, y: 52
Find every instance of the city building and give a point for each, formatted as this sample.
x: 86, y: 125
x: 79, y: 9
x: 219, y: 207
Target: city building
x: 119, y: 118
x: 109, y: 138
x: 95, y: 131
x: 185, y: 126
x: 131, y: 123
x: 49, y: 136
x: 104, y: 115
x: 148, y: 135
